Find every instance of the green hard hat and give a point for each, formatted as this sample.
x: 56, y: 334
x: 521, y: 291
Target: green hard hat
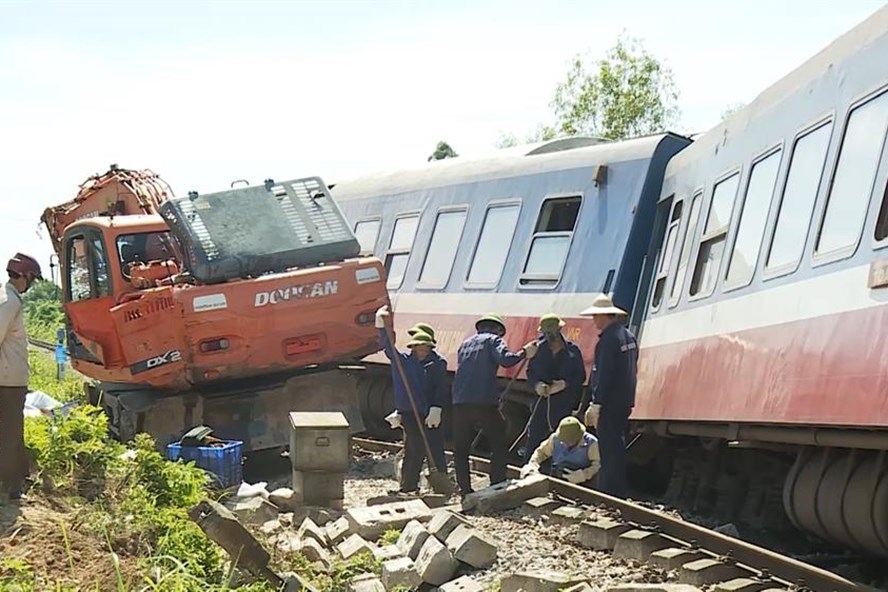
x: 422, y: 328
x: 492, y: 318
x: 550, y: 318
x: 420, y: 338
x: 570, y: 430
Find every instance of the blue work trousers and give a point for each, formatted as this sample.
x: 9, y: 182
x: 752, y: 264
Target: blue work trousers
x: 415, y: 450
x: 613, y: 423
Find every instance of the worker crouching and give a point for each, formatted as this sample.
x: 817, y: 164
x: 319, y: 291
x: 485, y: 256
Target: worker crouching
x: 571, y: 453
x: 426, y: 389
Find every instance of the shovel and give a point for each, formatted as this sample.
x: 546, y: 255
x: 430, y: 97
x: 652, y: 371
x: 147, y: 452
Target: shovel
x: 440, y: 482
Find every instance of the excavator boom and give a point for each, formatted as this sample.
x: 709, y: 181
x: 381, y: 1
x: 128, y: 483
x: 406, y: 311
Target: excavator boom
x: 117, y: 192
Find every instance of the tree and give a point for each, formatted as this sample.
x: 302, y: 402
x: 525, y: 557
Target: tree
x: 442, y: 151
x: 625, y: 94
x: 43, y: 306
x: 543, y: 133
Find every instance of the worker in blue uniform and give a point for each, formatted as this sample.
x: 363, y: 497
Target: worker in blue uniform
x: 571, y: 453
x: 557, y: 374
x: 476, y: 397
x: 611, y: 391
x: 426, y: 375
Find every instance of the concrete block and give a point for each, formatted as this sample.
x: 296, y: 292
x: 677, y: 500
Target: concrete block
x: 435, y: 500
x: 338, y: 531
x: 639, y: 544
x: 255, y: 510
x: 568, y: 515
x: 507, y: 495
x: 708, y: 571
x: 284, y: 498
x: 600, y: 535
x: 308, y: 529
x: 673, y: 557
x: 314, y: 552
x: 435, y: 563
x: 288, y: 542
x: 353, y: 545
x: 387, y: 552
x: 652, y: 588
x: 365, y: 583
x: 371, y: 522
x: 412, y: 538
x: 381, y: 500
x: 541, y: 505
x: 312, y: 487
x: 400, y: 572
x: 741, y: 585
x: 583, y: 587
x: 539, y: 581
x: 461, y: 584
x: 470, y: 547
x: 443, y: 523
x: 271, y: 527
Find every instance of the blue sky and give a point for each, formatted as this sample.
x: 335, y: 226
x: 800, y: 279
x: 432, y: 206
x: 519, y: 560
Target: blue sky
x: 204, y: 93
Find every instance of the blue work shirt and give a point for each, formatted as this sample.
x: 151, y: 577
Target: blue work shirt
x: 427, y: 378
x: 615, y: 369
x: 476, y: 363
x: 566, y: 365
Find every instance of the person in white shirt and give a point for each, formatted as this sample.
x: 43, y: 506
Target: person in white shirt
x: 23, y: 271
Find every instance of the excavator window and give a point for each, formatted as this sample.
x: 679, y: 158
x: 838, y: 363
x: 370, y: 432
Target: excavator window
x: 143, y: 247
x: 88, y: 275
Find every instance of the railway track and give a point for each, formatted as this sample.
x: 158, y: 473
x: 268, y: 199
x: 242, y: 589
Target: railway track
x: 41, y: 344
x: 729, y: 559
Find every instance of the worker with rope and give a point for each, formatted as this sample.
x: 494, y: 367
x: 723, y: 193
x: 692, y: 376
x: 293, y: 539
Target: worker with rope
x: 557, y: 374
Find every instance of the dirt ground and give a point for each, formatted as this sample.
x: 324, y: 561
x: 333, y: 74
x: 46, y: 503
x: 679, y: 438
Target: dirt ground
x: 36, y: 531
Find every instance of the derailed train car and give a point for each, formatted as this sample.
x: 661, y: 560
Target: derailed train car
x: 752, y: 260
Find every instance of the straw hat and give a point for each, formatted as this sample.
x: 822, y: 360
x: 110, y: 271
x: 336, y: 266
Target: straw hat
x: 603, y: 305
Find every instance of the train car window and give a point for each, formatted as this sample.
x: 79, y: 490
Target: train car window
x: 551, y: 241
x: 493, y: 244
x: 855, y: 175
x: 799, y: 193
x: 686, y: 243
x: 753, y: 212
x: 715, y: 232
x: 367, y: 232
x: 399, y: 250
x: 666, y: 255
x: 442, y: 249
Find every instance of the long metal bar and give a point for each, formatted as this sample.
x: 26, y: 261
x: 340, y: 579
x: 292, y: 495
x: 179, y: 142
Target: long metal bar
x: 787, y: 569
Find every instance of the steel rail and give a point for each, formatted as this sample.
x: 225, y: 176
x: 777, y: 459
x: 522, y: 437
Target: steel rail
x: 762, y: 562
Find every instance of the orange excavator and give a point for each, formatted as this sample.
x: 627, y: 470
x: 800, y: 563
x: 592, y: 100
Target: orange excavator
x: 227, y: 309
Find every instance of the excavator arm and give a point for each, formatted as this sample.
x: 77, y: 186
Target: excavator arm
x: 117, y: 192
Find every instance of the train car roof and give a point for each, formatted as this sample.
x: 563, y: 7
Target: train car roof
x: 510, y: 162
x: 830, y: 61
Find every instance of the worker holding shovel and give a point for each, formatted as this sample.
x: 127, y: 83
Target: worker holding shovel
x: 417, y: 403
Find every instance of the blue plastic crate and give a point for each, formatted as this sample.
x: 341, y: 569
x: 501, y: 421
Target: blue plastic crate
x: 224, y: 462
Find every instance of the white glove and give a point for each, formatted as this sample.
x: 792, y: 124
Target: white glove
x: 530, y: 349
x: 575, y: 477
x: 542, y: 389
x: 381, y: 315
x: 592, y: 414
x: 394, y: 419
x: 529, y: 468
x: 433, y: 419
x: 557, y: 387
